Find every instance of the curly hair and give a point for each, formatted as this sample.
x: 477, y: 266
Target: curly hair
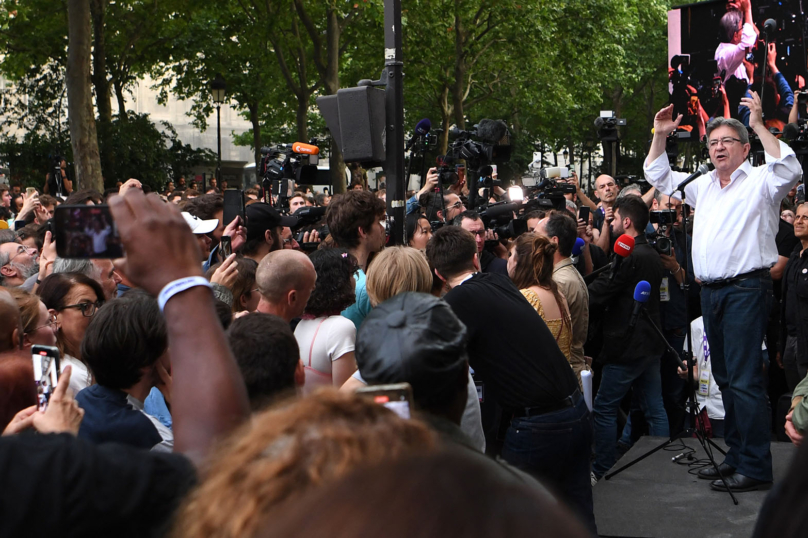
x: 534, y: 265
x: 288, y: 450
x: 334, y: 290
x: 350, y: 211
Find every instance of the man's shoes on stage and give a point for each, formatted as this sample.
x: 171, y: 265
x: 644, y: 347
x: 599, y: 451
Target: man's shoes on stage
x: 709, y: 473
x: 739, y: 483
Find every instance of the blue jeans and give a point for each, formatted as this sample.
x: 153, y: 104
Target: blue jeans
x: 555, y: 447
x: 735, y: 319
x: 643, y: 376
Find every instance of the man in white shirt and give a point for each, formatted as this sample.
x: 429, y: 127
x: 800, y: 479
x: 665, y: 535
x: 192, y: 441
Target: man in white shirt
x: 733, y: 249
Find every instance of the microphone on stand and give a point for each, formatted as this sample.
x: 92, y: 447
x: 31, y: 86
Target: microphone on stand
x: 421, y: 129
x: 703, y: 169
x: 623, y: 248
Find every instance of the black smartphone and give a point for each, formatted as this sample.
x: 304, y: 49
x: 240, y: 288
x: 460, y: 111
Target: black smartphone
x: 233, y: 206
x: 396, y: 397
x: 46, y: 373
x: 226, y: 246
x: 86, y: 231
x: 583, y: 214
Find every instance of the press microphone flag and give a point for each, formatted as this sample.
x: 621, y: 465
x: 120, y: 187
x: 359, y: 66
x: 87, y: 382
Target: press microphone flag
x: 422, y: 128
x: 623, y: 248
x: 578, y: 247
x: 642, y: 293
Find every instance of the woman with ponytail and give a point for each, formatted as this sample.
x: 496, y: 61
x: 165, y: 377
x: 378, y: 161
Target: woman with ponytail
x: 530, y: 266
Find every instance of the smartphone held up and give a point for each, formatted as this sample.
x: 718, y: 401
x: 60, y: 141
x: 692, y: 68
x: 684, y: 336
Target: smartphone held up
x: 45, y: 361
x: 86, y: 231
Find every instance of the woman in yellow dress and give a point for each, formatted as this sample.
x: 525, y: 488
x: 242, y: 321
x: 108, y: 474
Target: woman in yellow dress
x: 530, y: 266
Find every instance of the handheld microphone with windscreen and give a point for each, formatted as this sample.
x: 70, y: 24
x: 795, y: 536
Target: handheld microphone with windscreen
x: 623, y: 248
x: 642, y: 293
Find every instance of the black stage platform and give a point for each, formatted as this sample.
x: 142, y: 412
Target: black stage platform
x: 657, y: 498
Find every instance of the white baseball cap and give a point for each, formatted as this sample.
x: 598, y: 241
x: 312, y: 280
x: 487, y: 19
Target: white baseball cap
x: 199, y: 226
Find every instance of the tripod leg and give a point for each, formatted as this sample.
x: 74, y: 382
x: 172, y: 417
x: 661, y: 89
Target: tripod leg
x: 610, y: 474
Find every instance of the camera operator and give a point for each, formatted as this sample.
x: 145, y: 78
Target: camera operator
x: 356, y: 221
x: 733, y: 249
x: 489, y: 262
x: 58, y: 185
x: 630, y: 356
x: 264, y: 232
x: 522, y: 370
x: 433, y: 210
x: 778, y: 97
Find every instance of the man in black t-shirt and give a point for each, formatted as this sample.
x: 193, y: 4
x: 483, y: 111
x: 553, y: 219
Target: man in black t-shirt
x: 522, y: 369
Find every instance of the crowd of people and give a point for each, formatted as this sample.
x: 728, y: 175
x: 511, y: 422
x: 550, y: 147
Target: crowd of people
x: 233, y: 395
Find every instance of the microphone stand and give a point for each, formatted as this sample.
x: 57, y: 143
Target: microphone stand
x: 696, y: 426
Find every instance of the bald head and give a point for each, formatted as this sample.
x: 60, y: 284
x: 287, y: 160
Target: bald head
x: 9, y: 321
x: 285, y: 279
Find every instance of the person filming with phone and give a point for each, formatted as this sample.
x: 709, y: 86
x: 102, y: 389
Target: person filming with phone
x: 733, y: 249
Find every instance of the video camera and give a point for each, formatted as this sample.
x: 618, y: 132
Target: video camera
x: 664, y: 218
x: 310, y: 219
x: 548, y: 185
x: 488, y: 143
x: 297, y: 161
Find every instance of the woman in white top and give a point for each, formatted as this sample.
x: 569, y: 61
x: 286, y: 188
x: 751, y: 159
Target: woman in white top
x: 72, y: 300
x: 326, y: 339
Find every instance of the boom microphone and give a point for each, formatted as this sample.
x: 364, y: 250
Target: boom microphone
x: 306, y: 149
x: 791, y: 131
x: 421, y: 129
x: 623, y: 248
x: 492, y: 131
x: 641, y: 295
x: 703, y: 169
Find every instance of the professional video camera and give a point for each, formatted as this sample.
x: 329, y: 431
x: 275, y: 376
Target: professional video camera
x: 548, y: 185
x: 447, y: 171
x: 499, y: 217
x: 288, y: 162
x: 664, y: 218
x: 310, y: 219
x: 488, y: 143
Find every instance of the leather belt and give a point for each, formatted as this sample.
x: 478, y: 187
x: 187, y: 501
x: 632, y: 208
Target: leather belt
x: 733, y: 279
x: 570, y: 401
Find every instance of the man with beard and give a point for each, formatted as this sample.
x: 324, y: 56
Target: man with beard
x: 18, y: 263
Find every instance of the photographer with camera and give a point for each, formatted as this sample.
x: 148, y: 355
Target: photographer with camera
x: 57, y: 181
x: 489, y: 262
x: 521, y: 368
x: 732, y: 262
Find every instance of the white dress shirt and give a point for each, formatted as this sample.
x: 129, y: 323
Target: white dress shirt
x: 730, y: 57
x: 735, y: 227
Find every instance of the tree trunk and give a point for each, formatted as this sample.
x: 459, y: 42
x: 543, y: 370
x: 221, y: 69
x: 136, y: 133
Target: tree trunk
x: 256, y: 128
x: 446, y: 118
x: 102, y: 91
x: 459, y: 73
x: 121, y: 100
x: 331, y: 82
x: 81, y: 117
x: 302, y: 116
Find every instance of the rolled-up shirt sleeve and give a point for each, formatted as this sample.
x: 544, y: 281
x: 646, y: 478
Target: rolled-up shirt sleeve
x: 782, y: 174
x: 665, y: 180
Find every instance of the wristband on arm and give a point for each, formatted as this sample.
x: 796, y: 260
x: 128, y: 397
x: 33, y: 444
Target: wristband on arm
x: 178, y: 286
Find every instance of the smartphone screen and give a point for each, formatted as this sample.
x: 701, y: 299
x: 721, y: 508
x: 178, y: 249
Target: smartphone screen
x: 397, y: 397
x: 46, y: 373
x: 233, y: 206
x: 583, y: 214
x: 86, y: 231
x: 227, y: 248
x: 30, y: 191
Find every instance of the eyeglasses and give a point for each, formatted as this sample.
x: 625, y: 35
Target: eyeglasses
x: 87, y: 309
x: 22, y: 249
x: 726, y: 141
x: 455, y: 205
x: 479, y: 233
x: 51, y: 324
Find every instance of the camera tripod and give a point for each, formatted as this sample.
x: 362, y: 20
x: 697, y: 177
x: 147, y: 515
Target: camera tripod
x: 696, y: 426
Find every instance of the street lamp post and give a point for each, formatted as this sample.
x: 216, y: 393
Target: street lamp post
x: 218, y: 88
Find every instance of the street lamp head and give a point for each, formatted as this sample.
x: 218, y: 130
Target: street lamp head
x: 218, y: 89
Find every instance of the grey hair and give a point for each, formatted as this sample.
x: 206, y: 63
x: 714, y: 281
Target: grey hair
x: 720, y: 121
x: 630, y: 189
x: 5, y: 258
x: 729, y: 25
x: 7, y: 236
x: 72, y: 265
x: 572, y: 205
